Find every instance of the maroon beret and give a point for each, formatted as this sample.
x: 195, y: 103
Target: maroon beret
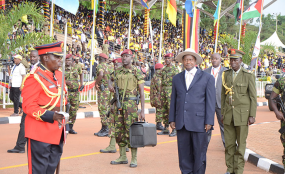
x: 118, y: 60
x: 127, y: 51
x: 103, y: 55
x: 158, y: 66
x: 168, y: 55
x: 68, y: 56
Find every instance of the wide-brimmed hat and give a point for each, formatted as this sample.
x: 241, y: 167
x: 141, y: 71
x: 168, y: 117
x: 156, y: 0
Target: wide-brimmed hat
x: 189, y: 51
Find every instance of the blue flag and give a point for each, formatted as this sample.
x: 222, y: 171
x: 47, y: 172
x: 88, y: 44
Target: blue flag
x: 69, y: 5
x: 189, y: 4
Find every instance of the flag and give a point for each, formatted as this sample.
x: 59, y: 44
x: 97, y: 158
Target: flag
x: 216, y: 15
x: 237, y: 9
x: 189, y: 4
x: 191, y: 30
x: 171, y: 10
x: 69, y: 5
x: 253, y: 10
x: 256, y: 50
x: 144, y: 3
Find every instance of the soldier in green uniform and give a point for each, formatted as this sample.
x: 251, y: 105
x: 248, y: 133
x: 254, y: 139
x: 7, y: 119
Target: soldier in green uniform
x: 238, y: 104
x: 103, y: 76
x: 131, y: 84
x: 167, y: 74
x: 71, y: 79
x: 154, y: 92
x: 111, y: 120
x: 279, y: 88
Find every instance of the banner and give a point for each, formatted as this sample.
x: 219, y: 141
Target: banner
x: 256, y: 50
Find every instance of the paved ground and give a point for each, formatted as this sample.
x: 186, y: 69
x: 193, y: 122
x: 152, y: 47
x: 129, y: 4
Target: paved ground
x: 81, y: 153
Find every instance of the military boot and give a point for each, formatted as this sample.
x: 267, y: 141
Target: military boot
x: 71, y: 131
x: 159, y: 126
x: 104, y: 133
x: 123, y: 157
x: 134, y: 157
x: 99, y: 131
x: 173, y: 133
x: 165, y: 131
x: 111, y: 148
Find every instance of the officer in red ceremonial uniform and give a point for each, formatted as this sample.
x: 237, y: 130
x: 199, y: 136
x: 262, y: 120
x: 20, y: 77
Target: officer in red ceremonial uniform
x: 41, y: 102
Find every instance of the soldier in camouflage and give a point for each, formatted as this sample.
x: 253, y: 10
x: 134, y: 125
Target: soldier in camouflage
x: 103, y: 76
x: 279, y: 88
x: 71, y: 79
x: 130, y: 82
x: 111, y: 120
x: 167, y: 74
x: 154, y: 92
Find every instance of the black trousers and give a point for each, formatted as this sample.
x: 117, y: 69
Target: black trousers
x: 219, y: 118
x: 14, y: 96
x: 43, y: 158
x: 21, y: 141
x: 192, y: 149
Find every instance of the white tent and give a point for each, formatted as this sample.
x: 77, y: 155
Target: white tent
x: 273, y: 40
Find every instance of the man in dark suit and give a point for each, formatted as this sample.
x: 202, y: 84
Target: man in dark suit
x: 192, y: 111
x: 216, y: 70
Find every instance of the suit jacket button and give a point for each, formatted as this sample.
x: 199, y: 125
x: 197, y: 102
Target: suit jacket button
x: 187, y: 93
x: 185, y: 102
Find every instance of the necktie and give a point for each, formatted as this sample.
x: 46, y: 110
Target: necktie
x: 235, y: 75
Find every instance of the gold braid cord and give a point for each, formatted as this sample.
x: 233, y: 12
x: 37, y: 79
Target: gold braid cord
x: 228, y: 90
x: 49, y: 94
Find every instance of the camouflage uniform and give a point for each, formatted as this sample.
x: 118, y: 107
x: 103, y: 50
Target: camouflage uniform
x: 104, y: 96
x: 154, y: 92
x: 72, y: 74
x: 167, y: 74
x: 279, y: 88
x: 128, y: 79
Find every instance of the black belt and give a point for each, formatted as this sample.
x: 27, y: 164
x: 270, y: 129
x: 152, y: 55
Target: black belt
x: 130, y: 98
x: 73, y: 90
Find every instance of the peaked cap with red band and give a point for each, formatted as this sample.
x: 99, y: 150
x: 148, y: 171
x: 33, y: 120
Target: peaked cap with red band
x: 103, y: 55
x: 158, y: 66
x: 168, y: 55
x: 118, y: 60
x: 127, y: 51
x: 235, y: 54
x: 53, y: 48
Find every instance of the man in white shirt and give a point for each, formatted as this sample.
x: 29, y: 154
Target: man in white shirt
x: 266, y: 63
x: 216, y: 70
x: 17, y: 74
x: 83, y: 41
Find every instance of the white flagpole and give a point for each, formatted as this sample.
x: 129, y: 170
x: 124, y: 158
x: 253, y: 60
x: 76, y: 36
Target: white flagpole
x: 130, y: 22
x: 63, y: 68
x: 51, y: 19
x: 151, y: 37
x: 240, y: 27
x: 161, y: 32
x: 93, y: 39
x: 217, y: 30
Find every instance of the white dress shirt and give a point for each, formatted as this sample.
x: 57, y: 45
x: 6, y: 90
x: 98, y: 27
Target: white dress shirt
x: 215, y: 73
x: 189, y: 76
x: 16, y: 75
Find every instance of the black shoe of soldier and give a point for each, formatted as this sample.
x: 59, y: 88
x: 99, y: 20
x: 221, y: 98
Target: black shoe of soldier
x: 173, y: 133
x: 159, y: 126
x: 15, y: 151
x: 163, y: 132
x: 99, y: 131
x: 72, y: 131
x: 104, y: 133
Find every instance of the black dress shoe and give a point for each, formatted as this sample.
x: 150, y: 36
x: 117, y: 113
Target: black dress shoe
x: 15, y: 151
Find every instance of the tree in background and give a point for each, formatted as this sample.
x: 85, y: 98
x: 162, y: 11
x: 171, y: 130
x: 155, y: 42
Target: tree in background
x: 12, y: 17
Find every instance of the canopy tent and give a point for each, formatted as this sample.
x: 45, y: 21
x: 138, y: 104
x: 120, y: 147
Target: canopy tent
x: 273, y: 40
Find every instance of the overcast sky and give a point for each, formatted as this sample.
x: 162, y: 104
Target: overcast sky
x: 276, y: 7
